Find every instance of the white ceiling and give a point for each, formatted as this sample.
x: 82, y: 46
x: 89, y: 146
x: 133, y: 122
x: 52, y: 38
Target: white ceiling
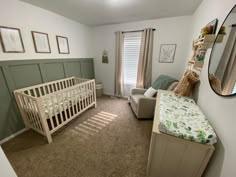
x: 103, y: 12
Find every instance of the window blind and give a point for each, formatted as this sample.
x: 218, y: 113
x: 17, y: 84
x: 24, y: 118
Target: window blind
x: 132, y: 42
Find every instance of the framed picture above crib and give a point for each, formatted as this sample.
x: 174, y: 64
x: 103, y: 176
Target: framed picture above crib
x: 63, y: 45
x: 41, y: 42
x: 11, y: 40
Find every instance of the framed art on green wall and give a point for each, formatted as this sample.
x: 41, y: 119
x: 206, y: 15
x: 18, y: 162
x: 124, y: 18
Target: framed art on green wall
x: 63, y: 45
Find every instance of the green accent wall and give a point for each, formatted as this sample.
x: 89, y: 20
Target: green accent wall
x: 23, y: 73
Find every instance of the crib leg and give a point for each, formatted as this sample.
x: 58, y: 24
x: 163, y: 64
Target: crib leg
x: 49, y: 138
x: 95, y: 105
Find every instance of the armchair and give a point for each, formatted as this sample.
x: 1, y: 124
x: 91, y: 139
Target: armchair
x: 142, y: 106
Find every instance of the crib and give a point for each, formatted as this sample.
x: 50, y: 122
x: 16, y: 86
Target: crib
x: 46, y: 107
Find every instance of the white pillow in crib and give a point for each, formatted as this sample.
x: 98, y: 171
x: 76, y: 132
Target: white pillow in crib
x: 150, y: 92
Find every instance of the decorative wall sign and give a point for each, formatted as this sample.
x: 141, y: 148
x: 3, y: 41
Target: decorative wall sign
x: 41, y: 42
x: 11, y: 40
x: 167, y: 53
x: 105, y: 57
x: 63, y: 45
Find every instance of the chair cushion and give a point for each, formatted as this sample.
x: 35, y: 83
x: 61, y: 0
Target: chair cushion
x: 150, y: 92
x: 135, y: 98
x: 163, y: 82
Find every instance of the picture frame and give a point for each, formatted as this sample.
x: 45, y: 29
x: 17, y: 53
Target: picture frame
x: 167, y: 53
x: 214, y: 24
x: 63, y: 45
x: 41, y: 42
x: 11, y: 40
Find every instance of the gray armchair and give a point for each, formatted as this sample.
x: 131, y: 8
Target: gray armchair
x: 143, y: 106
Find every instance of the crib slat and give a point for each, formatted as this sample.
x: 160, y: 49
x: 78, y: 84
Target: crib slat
x: 76, y: 100
x: 47, y: 100
x: 59, y: 106
x: 64, y: 106
x: 48, y: 87
x: 44, y: 90
x: 82, y: 96
x: 79, y: 99
x: 94, y: 93
x: 53, y: 97
x: 66, y: 84
x: 87, y: 96
x: 40, y: 91
x: 90, y: 90
x: 68, y: 104
x: 73, y: 101
x: 90, y: 95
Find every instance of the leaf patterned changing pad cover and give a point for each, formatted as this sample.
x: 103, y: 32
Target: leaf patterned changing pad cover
x: 181, y: 117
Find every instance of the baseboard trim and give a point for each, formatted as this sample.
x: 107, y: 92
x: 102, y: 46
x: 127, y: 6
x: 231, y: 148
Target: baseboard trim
x: 13, y: 135
x: 108, y: 94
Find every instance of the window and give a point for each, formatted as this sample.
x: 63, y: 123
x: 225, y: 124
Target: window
x: 132, y: 42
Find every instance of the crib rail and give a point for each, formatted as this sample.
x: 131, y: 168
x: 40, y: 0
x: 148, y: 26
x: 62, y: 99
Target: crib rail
x: 51, y: 87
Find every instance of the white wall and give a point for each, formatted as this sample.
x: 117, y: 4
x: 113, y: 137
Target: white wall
x: 14, y: 13
x: 220, y: 111
x: 175, y: 30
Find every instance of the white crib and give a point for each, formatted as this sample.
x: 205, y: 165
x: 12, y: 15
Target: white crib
x: 47, y: 107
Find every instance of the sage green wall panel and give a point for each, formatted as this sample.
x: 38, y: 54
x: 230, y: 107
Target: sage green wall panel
x: 87, y: 69
x: 73, y: 69
x: 54, y: 71
x: 22, y: 73
x: 10, y: 120
x: 26, y: 75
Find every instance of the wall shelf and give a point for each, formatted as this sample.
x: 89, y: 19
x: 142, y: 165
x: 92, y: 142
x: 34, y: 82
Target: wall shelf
x: 200, y: 46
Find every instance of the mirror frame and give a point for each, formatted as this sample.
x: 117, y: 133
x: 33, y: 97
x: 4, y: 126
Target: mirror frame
x: 212, y: 51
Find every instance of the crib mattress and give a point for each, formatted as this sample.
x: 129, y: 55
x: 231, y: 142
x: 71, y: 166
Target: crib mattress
x: 181, y: 117
x: 65, y: 101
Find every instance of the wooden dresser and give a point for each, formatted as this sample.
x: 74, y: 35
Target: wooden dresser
x: 170, y: 156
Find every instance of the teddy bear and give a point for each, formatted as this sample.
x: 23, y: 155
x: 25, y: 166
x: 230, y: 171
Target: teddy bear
x: 185, y: 85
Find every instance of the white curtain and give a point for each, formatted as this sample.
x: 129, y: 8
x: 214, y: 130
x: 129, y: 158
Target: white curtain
x: 144, y: 77
x: 119, y: 80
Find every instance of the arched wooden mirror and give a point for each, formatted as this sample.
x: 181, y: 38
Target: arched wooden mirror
x: 222, y: 66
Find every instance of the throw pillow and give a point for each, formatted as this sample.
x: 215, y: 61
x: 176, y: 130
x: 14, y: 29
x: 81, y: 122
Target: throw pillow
x: 150, y: 92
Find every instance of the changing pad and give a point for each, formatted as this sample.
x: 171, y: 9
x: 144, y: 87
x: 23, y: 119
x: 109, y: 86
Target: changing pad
x: 181, y: 117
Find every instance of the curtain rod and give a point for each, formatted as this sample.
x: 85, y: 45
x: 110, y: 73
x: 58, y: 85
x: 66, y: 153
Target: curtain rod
x: 135, y: 31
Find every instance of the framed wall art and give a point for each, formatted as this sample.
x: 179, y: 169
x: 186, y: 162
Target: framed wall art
x: 167, y: 53
x: 41, y: 42
x: 11, y: 40
x: 63, y: 45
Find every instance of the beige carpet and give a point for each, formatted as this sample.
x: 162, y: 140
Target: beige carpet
x: 104, y: 142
